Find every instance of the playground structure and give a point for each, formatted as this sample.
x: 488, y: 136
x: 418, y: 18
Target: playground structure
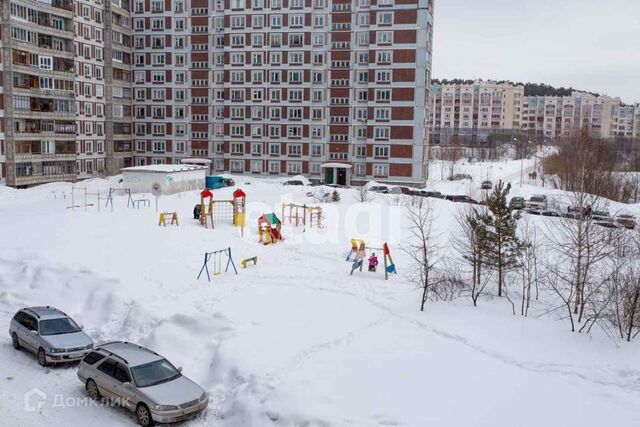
x: 217, y: 256
x: 233, y: 210
x: 165, y: 215
x: 122, y: 191
x: 269, y: 229
x: 247, y: 260
x: 359, y: 252
x: 297, y: 214
x: 85, y: 200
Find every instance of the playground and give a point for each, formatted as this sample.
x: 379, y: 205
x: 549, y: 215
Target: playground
x: 283, y: 333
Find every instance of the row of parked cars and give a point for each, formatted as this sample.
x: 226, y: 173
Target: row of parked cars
x: 135, y: 377
x: 460, y: 198
x: 538, y: 205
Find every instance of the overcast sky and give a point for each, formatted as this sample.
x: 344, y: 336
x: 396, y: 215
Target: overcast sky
x: 591, y: 45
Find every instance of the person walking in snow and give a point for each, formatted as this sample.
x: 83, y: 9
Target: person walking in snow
x: 373, y: 262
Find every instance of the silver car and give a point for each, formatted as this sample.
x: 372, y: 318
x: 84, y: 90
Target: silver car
x: 49, y: 333
x: 142, y: 381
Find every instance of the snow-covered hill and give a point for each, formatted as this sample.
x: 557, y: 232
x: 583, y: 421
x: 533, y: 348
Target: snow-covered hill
x: 294, y: 340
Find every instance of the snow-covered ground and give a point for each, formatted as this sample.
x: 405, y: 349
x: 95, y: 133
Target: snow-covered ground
x: 294, y: 340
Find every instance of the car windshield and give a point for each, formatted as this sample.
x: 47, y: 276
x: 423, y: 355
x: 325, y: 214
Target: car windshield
x: 63, y: 325
x: 537, y: 199
x: 154, y: 373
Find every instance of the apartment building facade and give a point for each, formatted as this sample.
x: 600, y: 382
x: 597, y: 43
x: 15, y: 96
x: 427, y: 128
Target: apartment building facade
x: 471, y: 112
x: 332, y: 89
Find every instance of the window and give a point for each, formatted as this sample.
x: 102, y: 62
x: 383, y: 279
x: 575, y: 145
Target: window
x: 384, y: 37
x: 274, y: 167
x: 383, y: 95
x: 381, y: 151
x: 383, y: 57
x: 294, y: 167
x: 294, y: 150
x: 274, y: 149
x: 381, y: 133
x: 385, y: 18
x: 108, y: 367
x: 380, y: 170
x: 360, y: 151
x: 256, y: 166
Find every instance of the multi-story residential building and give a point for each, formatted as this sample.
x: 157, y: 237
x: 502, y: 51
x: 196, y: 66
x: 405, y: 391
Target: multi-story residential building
x: 66, y: 89
x: 471, y: 112
x: 38, y: 88
x: 551, y: 117
x: 333, y: 89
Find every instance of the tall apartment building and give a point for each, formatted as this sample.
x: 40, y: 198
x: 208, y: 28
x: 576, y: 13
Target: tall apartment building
x: 66, y: 84
x: 333, y: 89
x: 472, y: 112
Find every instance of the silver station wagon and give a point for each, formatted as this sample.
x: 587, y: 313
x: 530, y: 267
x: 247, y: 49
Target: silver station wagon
x: 143, y: 381
x: 50, y: 334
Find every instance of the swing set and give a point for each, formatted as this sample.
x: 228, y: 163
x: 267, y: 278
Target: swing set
x: 297, y: 214
x: 359, y: 252
x: 121, y: 191
x: 217, y: 257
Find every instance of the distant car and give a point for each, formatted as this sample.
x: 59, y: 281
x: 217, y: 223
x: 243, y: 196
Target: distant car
x: 626, y: 220
x: 379, y: 189
x: 575, y: 212
x: 537, y: 201
x: 486, y: 185
x: 460, y: 176
x: 400, y: 190
x: 461, y: 199
x: 550, y: 213
x: 228, y: 182
x: 517, y: 203
x: 143, y: 381
x: 533, y: 212
x: 433, y: 194
x: 50, y: 334
x: 293, y: 182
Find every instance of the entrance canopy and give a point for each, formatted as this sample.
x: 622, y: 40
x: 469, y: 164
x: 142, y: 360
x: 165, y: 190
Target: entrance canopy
x: 337, y: 173
x: 336, y: 165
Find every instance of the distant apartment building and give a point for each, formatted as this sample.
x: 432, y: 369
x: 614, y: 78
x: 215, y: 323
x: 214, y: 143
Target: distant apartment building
x: 472, y: 112
x: 332, y: 89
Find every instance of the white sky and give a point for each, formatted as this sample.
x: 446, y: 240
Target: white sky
x: 590, y: 45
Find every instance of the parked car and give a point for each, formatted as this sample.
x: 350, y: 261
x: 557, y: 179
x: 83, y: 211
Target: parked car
x: 486, y: 185
x: 626, y: 220
x: 461, y: 199
x: 293, y: 182
x: 550, y: 213
x: 50, y: 334
x: 575, y: 212
x: 433, y: 194
x: 601, y: 216
x: 537, y: 201
x: 460, y: 176
x: 379, y: 189
x: 533, y: 212
x: 143, y: 381
x: 401, y: 190
x: 517, y: 203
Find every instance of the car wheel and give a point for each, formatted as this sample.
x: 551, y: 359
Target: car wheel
x: 144, y: 416
x: 92, y: 389
x: 42, y: 359
x: 14, y: 341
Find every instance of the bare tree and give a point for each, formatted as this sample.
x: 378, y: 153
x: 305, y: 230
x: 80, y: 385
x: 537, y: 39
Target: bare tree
x: 529, y: 257
x: 469, y: 240
x: 363, y: 194
x: 423, y: 250
x: 578, y: 263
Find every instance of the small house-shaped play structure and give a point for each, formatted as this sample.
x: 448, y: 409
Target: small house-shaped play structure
x: 269, y: 229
